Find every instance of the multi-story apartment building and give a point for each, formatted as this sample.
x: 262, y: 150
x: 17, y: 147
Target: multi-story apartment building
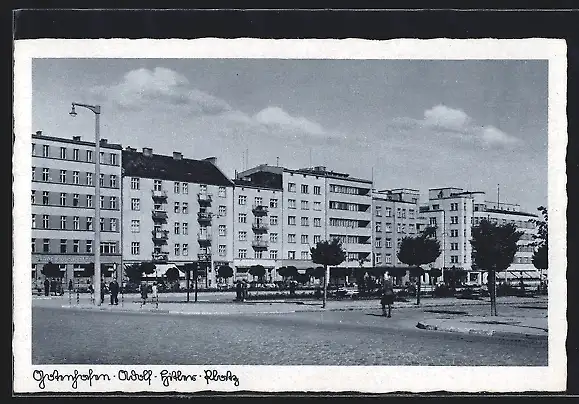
x: 63, y: 201
x: 453, y: 212
x: 257, y: 211
x: 395, y: 216
x: 176, y: 211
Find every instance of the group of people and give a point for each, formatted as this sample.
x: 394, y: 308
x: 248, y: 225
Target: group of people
x: 145, y: 293
x: 241, y: 290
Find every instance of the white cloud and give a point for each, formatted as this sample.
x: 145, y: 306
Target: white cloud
x: 275, y: 116
x: 446, y: 118
x: 493, y: 136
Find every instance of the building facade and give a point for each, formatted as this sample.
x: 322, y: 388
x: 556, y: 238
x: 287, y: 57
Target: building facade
x: 63, y: 200
x: 176, y: 211
x: 454, y: 212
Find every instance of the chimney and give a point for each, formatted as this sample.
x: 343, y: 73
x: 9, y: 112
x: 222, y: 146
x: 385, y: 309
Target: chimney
x: 38, y: 133
x: 212, y: 160
x: 76, y: 138
x: 177, y: 155
x: 104, y: 141
x: 147, y: 151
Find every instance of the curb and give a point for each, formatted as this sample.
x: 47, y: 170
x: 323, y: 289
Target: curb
x: 488, y: 333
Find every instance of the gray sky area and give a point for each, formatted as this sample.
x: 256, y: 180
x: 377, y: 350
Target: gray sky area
x: 414, y: 124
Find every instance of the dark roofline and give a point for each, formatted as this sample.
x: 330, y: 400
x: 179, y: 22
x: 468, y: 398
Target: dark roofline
x: 241, y: 183
x: 509, y: 212
x: 392, y: 200
x: 107, y: 145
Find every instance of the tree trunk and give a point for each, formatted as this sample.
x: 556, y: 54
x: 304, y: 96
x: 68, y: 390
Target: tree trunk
x: 326, y: 277
x: 196, y: 274
x: 418, y: 284
x: 493, y: 292
x: 188, y: 283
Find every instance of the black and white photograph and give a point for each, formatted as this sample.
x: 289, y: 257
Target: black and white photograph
x: 268, y: 215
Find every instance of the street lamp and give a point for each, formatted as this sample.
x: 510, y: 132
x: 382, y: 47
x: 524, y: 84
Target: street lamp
x: 97, y: 202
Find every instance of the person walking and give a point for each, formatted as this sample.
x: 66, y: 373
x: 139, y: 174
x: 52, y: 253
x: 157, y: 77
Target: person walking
x: 238, y: 291
x: 155, y: 294
x: 91, y: 291
x: 103, y: 287
x: 244, y: 291
x: 70, y: 287
x: 387, y: 298
x: 46, y: 287
x: 114, y: 290
x: 144, y: 293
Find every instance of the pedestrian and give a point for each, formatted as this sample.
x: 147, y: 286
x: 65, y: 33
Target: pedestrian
x: 114, y: 290
x: 144, y: 293
x: 91, y: 291
x: 46, y: 287
x: 70, y: 287
x: 103, y: 288
x: 155, y: 294
x: 387, y: 299
x: 238, y: 291
x: 244, y: 291
x: 292, y: 288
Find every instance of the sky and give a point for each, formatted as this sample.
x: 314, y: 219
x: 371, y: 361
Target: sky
x: 415, y: 124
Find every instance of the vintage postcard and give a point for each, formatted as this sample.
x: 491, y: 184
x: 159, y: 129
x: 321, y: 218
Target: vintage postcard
x: 289, y: 215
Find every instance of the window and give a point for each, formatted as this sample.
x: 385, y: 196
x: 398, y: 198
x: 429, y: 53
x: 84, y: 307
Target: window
x: 88, y: 200
x: 33, y: 197
x: 222, y: 192
x: 75, y: 154
x: 113, y: 224
x: 454, y: 206
x: 432, y: 221
x: 113, y: 159
x: 317, y: 190
x: 272, y: 254
x: 176, y: 227
x: 45, y: 151
x: 454, y: 233
x: 33, y: 245
x: 317, y: 206
x: 185, y: 189
x: 76, y: 223
x: 176, y: 207
x: 157, y: 185
x: 398, y: 227
x: 62, y: 199
x: 63, y: 152
x: 291, y: 220
x: 63, y: 223
x: 454, y: 246
x: 135, y: 248
x: 317, y: 222
x: 222, y: 210
x: 102, y: 158
x: 273, y: 220
x: 135, y: 183
x: 222, y: 250
x: 102, y: 202
x: 378, y: 227
x: 45, y: 175
x: 305, y: 221
x: 242, y: 200
x: 378, y: 258
x: 291, y: 187
x: 304, y: 189
x: 242, y: 218
x: 388, y: 227
x: 317, y: 239
x: 45, y: 221
x: 185, y: 228
x: 45, y: 197
x: 404, y: 213
x: 89, y: 155
x: 378, y: 242
x: 242, y: 253
x: 291, y: 254
x: 63, y: 176
x: 76, y: 246
x: 177, y: 249
x: 454, y: 220
x: 291, y: 238
x: 88, y: 178
x: 102, y: 224
x: 305, y: 205
x: 75, y: 177
x: 273, y: 237
x: 113, y: 181
x: 305, y: 239
x: 185, y: 208
x: 411, y: 214
x: 176, y: 187
x: 45, y: 245
x: 62, y: 246
x: 436, y: 207
x: 113, y: 202
x: 33, y: 149
x: 102, y: 180
x: 291, y: 203
x: 242, y: 235
x: 388, y: 212
x: 88, y: 246
x: 33, y: 221
x: 273, y: 203
x: 305, y: 255
x: 454, y: 259
x: 387, y: 258
x: 258, y: 201
x: 89, y: 223
x: 378, y: 211
x: 388, y: 243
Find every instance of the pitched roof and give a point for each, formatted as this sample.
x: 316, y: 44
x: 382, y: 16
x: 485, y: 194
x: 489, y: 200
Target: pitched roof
x: 157, y: 166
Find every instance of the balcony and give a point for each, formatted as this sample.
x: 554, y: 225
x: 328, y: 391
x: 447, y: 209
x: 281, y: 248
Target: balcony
x: 259, y: 227
x: 204, y: 239
x: 259, y: 210
x: 204, y: 198
x: 204, y: 217
x: 159, y: 215
x: 159, y: 195
x: 162, y: 256
x: 160, y: 236
x: 204, y: 257
x: 260, y: 244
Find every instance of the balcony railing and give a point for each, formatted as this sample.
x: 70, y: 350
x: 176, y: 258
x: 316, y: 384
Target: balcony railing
x: 259, y: 226
x: 259, y: 210
x: 204, y: 238
x: 161, y: 257
x: 204, y: 257
x: 204, y: 217
x: 159, y: 215
x: 160, y: 236
x: 259, y: 244
x: 159, y: 194
x: 204, y: 198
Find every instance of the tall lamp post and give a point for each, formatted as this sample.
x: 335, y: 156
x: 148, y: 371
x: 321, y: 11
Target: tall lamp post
x: 97, y: 202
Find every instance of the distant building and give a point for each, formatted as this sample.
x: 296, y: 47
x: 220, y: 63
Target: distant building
x: 454, y: 212
x: 176, y: 211
x: 63, y: 204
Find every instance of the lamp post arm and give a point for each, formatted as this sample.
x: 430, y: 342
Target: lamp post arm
x: 94, y: 108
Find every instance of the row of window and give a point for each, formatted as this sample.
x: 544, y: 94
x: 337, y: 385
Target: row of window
x: 72, y: 246
x: 305, y: 189
x: 258, y: 201
x: 345, y: 239
x: 305, y: 205
x: 352, y: 207
x: 77, y: 223
x: 73, y: 200
x: 387, y: 259
x: 75, y: 178
x: 351, y: 223
x: 400, y: 227
x: 342, y: 189
x: 65, y: 154
x: 178, y: 187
